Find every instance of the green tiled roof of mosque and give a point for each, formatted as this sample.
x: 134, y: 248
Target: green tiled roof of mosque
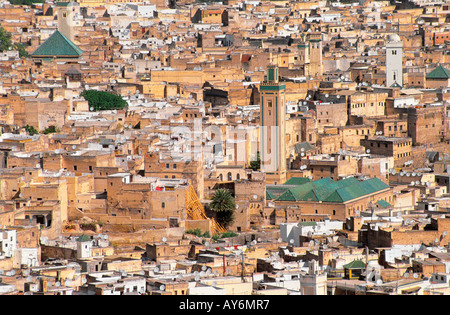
x: 57, y: 45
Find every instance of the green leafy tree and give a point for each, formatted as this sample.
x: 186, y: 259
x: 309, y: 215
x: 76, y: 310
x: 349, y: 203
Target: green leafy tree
x: 21, y: 48
x: 6, y: 43
x: 5, y: 40
x: 199, y: 233
x: 25, y: 2
x: 100, y: 100
x: 223, y: 205
x: 256, y: 165
x: 51, y: 129
x: 31, y: 130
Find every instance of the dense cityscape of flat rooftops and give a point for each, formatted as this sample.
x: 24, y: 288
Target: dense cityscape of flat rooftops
x: 183, y: 147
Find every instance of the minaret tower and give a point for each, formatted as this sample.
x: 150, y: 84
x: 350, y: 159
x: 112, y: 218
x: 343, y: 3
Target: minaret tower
x: 315, y: 54
x: 394, y: 60
x: 66, y: 18
x: 273, y: 127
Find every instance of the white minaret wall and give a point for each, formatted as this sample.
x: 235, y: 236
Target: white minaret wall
x: 394, y: 60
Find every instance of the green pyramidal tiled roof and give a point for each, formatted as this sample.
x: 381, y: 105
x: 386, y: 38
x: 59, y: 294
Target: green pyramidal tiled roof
x: 356, y: 264
x: 84, y: 238
x: 396, y: 85
x: 57, y: 45
x: 269, y: 195
x: 327, y: 190
x: 297, y: 181
x: 439, y: 73
x: 383, y: 203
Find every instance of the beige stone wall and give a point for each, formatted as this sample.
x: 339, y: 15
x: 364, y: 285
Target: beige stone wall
x: 426, y: 124
x: 367, y: 104
x: 147, y: 236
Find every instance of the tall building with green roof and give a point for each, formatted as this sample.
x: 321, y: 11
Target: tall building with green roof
x: 273, y: 127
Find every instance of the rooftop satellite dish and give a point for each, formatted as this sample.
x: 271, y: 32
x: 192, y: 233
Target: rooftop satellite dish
x: 156, y: 269
x: 162, y: 288
x: 379, y: 282
x: 207, y: 244
x: 83, y: 281
x: 164, y: 239
x: 406, y: 275
x: 292, y: 241
x: 415, y: 275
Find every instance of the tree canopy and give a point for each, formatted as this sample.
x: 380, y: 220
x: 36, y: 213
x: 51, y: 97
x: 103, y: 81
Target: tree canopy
x: 100, y: 100
x: 5, y: 40
x: 31, y: 130
x: 256, y: 164
x: 25, y: 2
x: 6, y: 44
x: 223, y: 204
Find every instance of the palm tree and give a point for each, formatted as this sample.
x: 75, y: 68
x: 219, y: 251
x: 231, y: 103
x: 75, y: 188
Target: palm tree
x: 223, y: 205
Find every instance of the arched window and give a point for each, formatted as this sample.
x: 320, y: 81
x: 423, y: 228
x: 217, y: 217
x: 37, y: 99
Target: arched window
x: 230, y: 176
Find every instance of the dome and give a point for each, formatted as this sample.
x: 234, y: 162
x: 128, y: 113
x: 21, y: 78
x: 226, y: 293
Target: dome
x: 394, y: 38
